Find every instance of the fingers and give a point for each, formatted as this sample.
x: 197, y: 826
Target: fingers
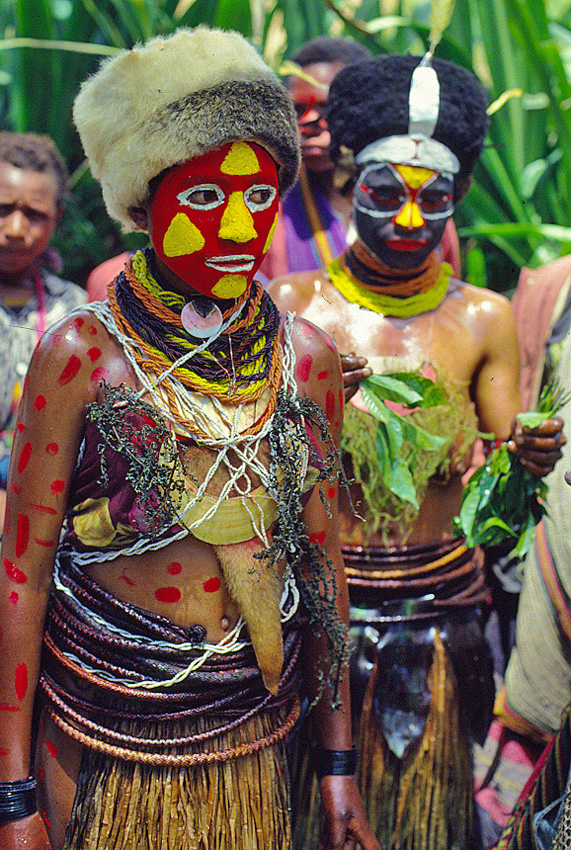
x: 355, y: 370
x: 350, y: 362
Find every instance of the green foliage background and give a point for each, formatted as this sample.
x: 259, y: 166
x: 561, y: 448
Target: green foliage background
x: 519, y: 209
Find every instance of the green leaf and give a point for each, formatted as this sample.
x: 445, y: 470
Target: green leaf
x: 391, y: 389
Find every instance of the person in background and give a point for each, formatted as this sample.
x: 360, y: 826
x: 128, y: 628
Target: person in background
x: 315, y: 217
x: 423, y: 685
x: 33, y: 188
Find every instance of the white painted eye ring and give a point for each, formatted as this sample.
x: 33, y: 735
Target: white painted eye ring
x: 185, y: 198
x: 256, y: 206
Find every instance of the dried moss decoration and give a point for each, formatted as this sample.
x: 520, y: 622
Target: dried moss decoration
x: 136, y: 431
x: 306, y: 558
x: 452, y: 426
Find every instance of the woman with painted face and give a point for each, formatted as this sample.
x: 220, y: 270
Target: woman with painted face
x: 170, y: 565
x: 422, y: 677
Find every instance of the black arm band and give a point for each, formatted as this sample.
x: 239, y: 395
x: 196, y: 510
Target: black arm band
x: 335, y: 762
x: 18, y: 799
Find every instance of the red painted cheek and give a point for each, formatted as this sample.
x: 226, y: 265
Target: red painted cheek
x: 211, y: 585
x: 94, y: 354
x: 174, y: 569
x: 322, y: 375
x: 304, y: 367
x: 40, y: 403
x: 70, y: 370
x: 52, y: 449
x: 57, y: 486
x: 13, y: 573
x: 168, y: 594
x: 24, y: 458
x: 99, y: 374
x: 329, y: 404
x: 13, y: 598
x: 52, y: 749
x: 23, y: 534
x: 317, y: 537
x: 21, y: 681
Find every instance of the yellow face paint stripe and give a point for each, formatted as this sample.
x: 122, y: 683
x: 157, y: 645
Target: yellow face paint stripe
x: 413, y: 175
x: 271, y: 234
x: 409, y: 216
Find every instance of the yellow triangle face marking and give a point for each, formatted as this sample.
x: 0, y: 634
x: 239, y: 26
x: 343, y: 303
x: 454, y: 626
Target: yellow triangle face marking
x: 182, y: 237
x: 230, y: 286
x: 240, y: 159
x: 409, y: 216
x: 271, y: 235
x: 414, y: 175
x: 237, y: 223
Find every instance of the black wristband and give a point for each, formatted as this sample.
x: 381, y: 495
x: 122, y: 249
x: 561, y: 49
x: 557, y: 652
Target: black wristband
x: 335, y: 762
x: 18, y: 799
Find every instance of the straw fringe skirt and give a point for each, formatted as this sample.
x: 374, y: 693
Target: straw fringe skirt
x: 239, y: 803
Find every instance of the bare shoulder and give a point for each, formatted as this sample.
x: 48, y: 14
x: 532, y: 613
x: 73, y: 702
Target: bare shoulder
x: 485, y: 309
x: 295, y: 291
x: 312, y: 344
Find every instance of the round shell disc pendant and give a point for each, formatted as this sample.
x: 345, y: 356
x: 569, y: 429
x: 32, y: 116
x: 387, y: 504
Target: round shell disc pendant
x: 201, y: 318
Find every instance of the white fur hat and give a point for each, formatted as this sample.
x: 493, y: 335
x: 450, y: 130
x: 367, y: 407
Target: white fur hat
x: 174, y: 98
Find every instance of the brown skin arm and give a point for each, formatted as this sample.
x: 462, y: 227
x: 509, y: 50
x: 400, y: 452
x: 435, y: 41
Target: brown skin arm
x: 496, y: 393
x: 344, y: 820
x: 47, y: 438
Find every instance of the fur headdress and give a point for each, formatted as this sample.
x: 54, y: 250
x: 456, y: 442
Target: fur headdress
x: 175, y: 98
x: 373, y: 100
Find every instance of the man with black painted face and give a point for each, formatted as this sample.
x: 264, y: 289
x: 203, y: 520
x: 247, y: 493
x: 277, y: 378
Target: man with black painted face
x: 409, y: 133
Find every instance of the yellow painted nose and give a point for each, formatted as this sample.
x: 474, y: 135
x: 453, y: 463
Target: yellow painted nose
x: 237, y: 223
x: 410, y: 216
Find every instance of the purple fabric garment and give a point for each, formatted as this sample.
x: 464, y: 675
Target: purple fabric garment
x: 301, y: 253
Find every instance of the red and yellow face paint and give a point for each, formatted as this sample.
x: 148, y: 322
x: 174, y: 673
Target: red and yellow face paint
x: 214, y: 216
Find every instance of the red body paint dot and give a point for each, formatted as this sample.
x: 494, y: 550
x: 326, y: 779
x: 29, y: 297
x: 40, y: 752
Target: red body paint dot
x: 3, y: 752
x: 42, y: 509
x: 92, y: 330
x: 174, y: 569
x: 99, y: 374
x: 329, y: 404
x: 57, y: 486
x: 168, y: 594
x: 304, y: 367
x: 94, y: 354
x: 78, y: 323
x: 211, y: 585
x: 24, y: 456
x: 15, y: 489
x: 70, y: 370
x: 21, y: 681
x: 13, y: 598
x: 13, y: 573
x: 322, y: 375
x: 22, y: 535
x: 5, y: 707
x: 57, y: 340
x: 21, y: 427
x: 52, y: 449
x: 52, y: 749
x: 317, y: 537
x: 331, y: 492
x: 40, y: 402
x: 307, y: 330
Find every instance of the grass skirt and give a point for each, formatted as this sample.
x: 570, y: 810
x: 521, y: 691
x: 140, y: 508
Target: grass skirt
x: 239, y: 803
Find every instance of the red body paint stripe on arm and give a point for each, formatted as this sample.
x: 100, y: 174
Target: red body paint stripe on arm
x: 24, y: 456
x: 304, y: 367
x: 329, y: 404
x: 42, y: 509
x: 5, y: 707
x: 21, y: 681
x: 70, y: 370
x: 47, y: 543
x: 22, y: 535
x: 168, y: 594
